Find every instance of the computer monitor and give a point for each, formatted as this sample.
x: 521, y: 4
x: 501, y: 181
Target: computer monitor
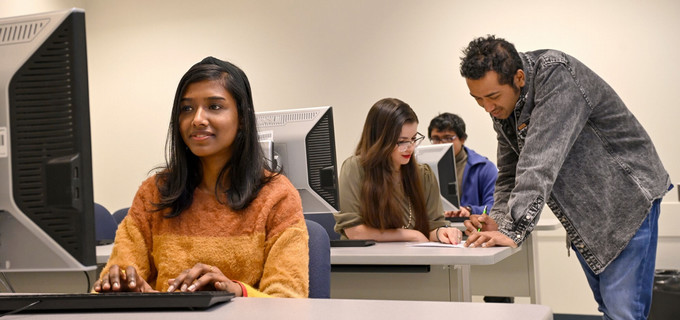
x: 46, y: 195
x: 303, y: 142
x: 441, y: 158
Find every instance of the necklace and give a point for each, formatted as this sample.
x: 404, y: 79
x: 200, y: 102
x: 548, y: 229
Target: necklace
x: 410, y: 216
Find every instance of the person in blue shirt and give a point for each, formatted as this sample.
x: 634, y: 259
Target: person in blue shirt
x: 475, y: 173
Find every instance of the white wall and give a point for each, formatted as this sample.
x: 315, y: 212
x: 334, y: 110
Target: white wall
x: 349, y: 54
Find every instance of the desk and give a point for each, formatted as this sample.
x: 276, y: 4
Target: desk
x: 516, y: 276
x: 393, y: 275
x: 328, y: 309
x: 103, y: 253
x: 446, y: 271
x: 483, y: 271
x: 395, y: 270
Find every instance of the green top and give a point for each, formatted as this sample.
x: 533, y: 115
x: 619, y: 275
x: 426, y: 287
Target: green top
x: 351, y: 177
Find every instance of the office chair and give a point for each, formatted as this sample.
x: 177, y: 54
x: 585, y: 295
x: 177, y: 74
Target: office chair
x: 105, y: 225
x: 120, y: 214
x: 327, y: 221
x: 319, y: 261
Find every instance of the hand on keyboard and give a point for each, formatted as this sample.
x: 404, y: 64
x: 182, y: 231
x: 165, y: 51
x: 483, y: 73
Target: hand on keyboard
x: 204, y: 277
x: 119, y: 279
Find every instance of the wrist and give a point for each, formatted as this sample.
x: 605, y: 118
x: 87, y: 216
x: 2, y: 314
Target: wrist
x: 239, y: 287
x: 436, y: 234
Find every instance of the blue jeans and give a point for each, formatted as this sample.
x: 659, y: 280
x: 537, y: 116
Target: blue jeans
x: 624, y: 289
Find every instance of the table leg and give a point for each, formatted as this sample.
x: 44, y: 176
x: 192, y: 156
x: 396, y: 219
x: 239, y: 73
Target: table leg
x: 460, y: 283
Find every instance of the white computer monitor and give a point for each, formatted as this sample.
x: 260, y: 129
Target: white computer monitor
x: 46, y: 194
x: 303, y: 143
x: 441, y: 158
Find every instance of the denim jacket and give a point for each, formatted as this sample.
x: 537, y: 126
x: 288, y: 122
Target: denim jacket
x: 572, y: 143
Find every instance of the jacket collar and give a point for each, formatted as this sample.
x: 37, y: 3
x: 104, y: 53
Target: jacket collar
x: 473, y: 157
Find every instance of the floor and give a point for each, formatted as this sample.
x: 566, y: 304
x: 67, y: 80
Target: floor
x: 566, y: 316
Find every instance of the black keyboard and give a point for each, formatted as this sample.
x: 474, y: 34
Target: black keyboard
x: 112, y: 301
x: 352, y: 243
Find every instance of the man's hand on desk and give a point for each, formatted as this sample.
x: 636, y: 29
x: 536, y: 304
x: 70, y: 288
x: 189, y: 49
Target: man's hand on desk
x: 482, y: 231
x: 486, y: 239
x: 481, y: 222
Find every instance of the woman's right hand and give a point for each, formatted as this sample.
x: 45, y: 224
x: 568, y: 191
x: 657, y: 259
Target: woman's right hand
x: 119, y: 280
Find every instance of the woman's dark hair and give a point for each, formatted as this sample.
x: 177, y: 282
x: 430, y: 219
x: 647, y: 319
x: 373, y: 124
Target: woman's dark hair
x: 378, y: 140
x: 490, y: 54
x: 448, y: 121
x: 244, y: 173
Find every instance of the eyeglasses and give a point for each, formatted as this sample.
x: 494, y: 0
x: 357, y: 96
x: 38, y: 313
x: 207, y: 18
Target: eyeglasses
x: 445, y: 139
x: 404, y: 145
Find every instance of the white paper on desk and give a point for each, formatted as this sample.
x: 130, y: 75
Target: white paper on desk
x: 436, y: 244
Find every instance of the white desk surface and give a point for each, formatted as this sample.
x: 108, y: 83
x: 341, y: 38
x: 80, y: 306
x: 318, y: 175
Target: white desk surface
x: 103, y: 253
x: 395, y: 253
x: 328, y: 309
x: 401, y: 253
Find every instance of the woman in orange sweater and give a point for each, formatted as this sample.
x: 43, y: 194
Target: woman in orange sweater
x: 215, y: 217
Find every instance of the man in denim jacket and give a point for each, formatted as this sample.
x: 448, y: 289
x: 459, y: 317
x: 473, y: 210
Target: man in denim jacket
x: 565, y: 138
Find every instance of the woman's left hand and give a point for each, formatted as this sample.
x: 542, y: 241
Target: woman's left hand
x: 204, y: 277
x: 449, y: 235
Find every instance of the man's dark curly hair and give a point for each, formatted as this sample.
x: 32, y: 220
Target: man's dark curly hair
x: 490, y: 54
x: 448, y: 121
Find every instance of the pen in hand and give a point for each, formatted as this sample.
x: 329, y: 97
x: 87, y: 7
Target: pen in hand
x: 483, y: 212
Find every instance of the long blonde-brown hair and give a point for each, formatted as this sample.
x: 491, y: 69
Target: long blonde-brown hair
x: 381, y: 133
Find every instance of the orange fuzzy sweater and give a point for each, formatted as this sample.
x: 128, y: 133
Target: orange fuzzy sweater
x: 264, y: 246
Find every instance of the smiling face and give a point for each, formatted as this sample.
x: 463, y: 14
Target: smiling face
x: 208, y: 120
x: 496, y: 99
x: 408, y: 133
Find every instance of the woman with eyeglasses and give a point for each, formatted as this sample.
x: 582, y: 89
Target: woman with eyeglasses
x: 384, y: 194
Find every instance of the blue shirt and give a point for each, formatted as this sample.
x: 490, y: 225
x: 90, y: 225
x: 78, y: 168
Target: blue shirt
x: 479, y: 179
